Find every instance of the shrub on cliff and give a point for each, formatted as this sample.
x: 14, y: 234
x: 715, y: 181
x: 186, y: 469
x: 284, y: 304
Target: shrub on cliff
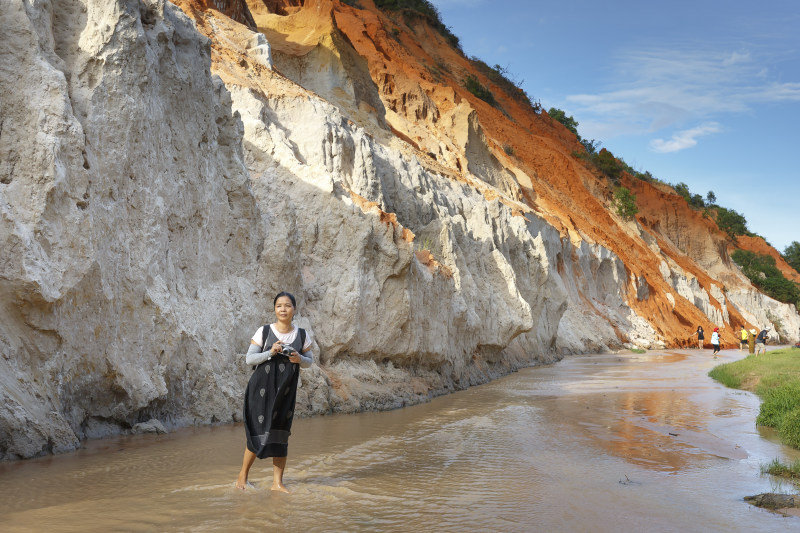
x: 569, y: 122
x: 625, y: 203
x: 426, y: 10
x: 606, y: 163
x: 501, y: 77
x: 731, y: 222
x: 694, y: 200
x: 591, y: 146
x: 762, y: 272
x: 791, y: 254
x: 474, y: 86
x: 728, y: 220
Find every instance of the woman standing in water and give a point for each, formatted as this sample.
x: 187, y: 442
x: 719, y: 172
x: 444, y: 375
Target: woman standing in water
x: 276, y: 350
x: 700, y: 337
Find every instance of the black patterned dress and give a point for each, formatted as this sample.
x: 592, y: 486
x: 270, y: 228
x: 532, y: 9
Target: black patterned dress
x: 269, y: 401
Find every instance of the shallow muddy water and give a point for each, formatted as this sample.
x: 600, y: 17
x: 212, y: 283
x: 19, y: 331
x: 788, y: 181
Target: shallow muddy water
x: 594, y: 443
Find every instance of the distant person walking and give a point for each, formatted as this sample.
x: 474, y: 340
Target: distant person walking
x: 761, y: 341
x: 715, y: 341
x: 744, y: 336
x: 700, y: 337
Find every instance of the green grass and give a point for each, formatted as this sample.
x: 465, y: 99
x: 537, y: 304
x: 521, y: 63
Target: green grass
x: 638, y: 350
x: 474, y: 86
x: 777, y: 468
x: 726, y: 377
x: 778, y: 403
x: 789, y: 430
x: 775, y: 377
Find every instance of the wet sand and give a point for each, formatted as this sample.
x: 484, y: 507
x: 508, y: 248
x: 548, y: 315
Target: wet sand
x: 594, y: 443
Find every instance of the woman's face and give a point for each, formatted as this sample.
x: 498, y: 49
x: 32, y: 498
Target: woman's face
x: 284, y: 309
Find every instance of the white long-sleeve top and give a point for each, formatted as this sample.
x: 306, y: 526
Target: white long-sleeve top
x: 255, y: 356
x: 715, y: 338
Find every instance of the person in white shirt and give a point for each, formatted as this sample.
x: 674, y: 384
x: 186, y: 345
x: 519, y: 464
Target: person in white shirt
x: 715, y: 341
x: 277, y: 352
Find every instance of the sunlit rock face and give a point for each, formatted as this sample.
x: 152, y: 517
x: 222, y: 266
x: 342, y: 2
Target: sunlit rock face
x: 165, y: 171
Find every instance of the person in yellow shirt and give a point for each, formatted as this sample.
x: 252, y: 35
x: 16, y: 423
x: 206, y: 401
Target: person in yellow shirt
x: 743, y: 344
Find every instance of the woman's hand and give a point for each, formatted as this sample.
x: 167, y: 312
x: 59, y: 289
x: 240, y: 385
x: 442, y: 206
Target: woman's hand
x: 276, y: 348
x: 295, y: 358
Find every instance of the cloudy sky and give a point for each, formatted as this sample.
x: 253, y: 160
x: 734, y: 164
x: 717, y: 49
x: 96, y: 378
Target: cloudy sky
x: 702, y: 92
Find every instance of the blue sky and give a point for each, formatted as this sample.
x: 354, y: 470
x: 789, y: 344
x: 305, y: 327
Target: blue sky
x: 702, y: 92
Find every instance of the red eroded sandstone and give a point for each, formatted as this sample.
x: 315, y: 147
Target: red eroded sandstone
x: 419, y: 80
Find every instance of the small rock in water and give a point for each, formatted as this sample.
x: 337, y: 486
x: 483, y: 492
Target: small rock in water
x: 151, y: 426
x: 770, y: 500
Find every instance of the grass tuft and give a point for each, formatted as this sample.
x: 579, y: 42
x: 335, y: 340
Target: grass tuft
x: 778, y: 402
x: 789, y: 430
x: 786, y: 470
x: 727, y: 376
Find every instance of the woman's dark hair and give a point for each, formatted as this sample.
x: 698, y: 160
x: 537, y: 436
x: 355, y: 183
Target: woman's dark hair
x: 288, y: 295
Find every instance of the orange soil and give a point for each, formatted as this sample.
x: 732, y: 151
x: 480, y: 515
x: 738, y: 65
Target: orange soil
x: 419, y: 78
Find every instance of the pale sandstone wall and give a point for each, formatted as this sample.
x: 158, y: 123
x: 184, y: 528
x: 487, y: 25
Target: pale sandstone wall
x: 763, y: 311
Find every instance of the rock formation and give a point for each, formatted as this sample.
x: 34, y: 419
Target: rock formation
x: 166, y: 169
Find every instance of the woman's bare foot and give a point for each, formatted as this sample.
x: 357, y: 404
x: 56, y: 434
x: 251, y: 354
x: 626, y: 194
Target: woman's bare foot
x: 241, y: 482
x: 280, y: 488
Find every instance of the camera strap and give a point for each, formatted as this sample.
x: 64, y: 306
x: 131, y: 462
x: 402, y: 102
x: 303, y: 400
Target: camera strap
x: 265, y: 333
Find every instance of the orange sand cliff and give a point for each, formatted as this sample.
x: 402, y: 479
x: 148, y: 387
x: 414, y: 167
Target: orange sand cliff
x: 418, y: 78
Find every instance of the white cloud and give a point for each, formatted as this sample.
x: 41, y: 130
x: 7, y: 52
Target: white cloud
x: 684, y: 139
x: 776, y: 92
x: 736, y: 57
x: 660, y: 88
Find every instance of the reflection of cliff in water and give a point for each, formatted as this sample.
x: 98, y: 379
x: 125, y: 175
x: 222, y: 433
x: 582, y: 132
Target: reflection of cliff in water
x: 659, y: 430
x: 658, y: 424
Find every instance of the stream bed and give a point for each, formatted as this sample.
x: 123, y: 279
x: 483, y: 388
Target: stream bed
x: 593, y: 443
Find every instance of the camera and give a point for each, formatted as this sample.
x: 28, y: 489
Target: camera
x: 286, y: 349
